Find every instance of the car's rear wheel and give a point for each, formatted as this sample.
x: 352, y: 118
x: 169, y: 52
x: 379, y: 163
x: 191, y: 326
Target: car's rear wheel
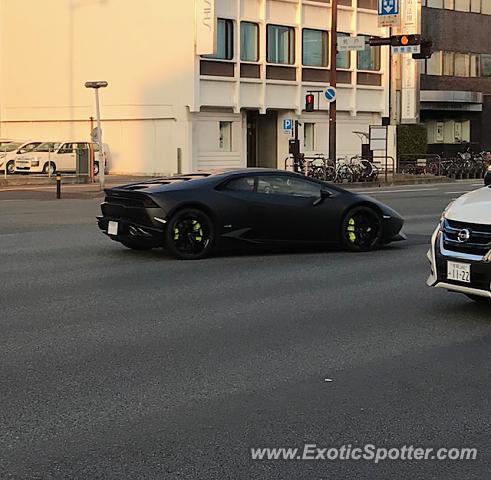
x: 49, y: 168
x: 190, y: 234
x: 136, y: 245
x: 96, y: 169
x: 11, y: 167
x: 361, y: 230
x: 478, y: 299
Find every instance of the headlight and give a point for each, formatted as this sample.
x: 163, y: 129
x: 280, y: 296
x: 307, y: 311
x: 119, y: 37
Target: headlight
x: 35, y: 163
x: 489, y: 168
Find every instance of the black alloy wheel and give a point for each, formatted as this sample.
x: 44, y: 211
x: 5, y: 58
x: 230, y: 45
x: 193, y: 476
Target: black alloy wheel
x: 362, y: 230
x: 190, y: 234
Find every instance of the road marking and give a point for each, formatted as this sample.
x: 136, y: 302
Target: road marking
x: 461, y: 192
x: 412, y: 190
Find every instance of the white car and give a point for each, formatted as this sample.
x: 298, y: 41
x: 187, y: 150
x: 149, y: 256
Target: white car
x: 52, y: 157
x: 460, y: 253
x: 9, y: 152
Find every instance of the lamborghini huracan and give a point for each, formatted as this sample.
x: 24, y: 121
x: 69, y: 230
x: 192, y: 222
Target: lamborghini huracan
x: 193, y: 215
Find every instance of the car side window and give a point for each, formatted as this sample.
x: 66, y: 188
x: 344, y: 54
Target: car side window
x: 287, y: 185
x: 66, y: 148
x: 242, y: 184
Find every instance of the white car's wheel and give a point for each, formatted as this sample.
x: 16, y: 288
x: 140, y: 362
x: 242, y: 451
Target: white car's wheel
x: 11, y: 167
x: 49, y: 168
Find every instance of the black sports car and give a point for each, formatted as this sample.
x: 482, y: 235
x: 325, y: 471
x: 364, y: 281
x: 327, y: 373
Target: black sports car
x: 190, y: 215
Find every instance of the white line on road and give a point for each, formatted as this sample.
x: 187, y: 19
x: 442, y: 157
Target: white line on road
x: 412, y: 190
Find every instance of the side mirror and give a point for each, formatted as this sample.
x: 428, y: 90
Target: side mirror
x: 324, y: 194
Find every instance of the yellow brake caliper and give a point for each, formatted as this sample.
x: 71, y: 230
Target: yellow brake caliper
x: 176, y: 234
x: 351, y: 230
x: 197, y: 228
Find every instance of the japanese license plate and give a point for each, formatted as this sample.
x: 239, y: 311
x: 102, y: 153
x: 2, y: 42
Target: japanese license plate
x: 459, y: 272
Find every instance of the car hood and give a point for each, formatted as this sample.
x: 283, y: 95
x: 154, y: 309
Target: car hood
x: 473, y: 207
x: 386, y: 210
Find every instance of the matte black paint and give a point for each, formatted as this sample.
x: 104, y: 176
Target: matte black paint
x: 240, y: 215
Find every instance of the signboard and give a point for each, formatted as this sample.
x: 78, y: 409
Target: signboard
x: 351, y: 43
x: 205, y: 27
x: 287, y: 126
x: 389, y: 21
x: 388, y: 13
x: 406, y: 49
x: 388, y: 7
x: 378, y: 138
x: 330, y: 94
x: 95, y: 135
x: 410, y: 67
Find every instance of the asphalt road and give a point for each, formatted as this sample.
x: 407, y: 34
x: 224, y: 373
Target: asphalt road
x: 121, y: 364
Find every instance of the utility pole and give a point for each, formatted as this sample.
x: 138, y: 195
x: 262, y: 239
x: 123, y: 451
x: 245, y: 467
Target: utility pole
x: 102, y: 163
x: 333, y: 79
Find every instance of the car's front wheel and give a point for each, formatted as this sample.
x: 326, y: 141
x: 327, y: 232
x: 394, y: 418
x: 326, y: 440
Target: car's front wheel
x: 190, y: 234
x: 361, y: 230
x: 49, y: 168
x: 96, y: 169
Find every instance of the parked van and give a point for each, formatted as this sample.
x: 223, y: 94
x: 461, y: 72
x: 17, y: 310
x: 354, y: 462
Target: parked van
x: 52, y: 157
x: 10, y: 151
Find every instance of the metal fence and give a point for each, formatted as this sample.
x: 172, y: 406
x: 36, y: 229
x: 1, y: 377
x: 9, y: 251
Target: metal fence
x: 47, y: 162
x: 348, y: 169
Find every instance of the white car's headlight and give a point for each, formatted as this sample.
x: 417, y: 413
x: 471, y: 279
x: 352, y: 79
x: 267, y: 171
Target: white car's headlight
x: 35, y: 163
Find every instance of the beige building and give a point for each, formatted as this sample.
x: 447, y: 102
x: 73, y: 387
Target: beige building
x: 167, y: 107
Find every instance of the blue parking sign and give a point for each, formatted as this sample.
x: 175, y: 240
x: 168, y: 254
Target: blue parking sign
x: 287, y: 124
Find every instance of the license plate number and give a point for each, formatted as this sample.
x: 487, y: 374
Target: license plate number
x: 112, y: 228
x: 459, y: 272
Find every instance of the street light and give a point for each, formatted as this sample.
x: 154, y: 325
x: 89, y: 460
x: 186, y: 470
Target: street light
x: 102, y: 164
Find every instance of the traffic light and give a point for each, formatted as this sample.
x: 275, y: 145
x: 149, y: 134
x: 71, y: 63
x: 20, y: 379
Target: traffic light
x: 405, y: 40
x: 309, y: 102
x: 426, y: 50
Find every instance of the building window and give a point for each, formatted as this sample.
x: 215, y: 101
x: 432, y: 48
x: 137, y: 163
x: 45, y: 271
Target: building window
x: 462, y: 5
x: 308, y: 137
x: 476, y: 6
x: 343, y: 59
x: 281, y: 44
x: 448, y: 63
x: 225, y: 40
x: 434, y: 64
x: 369, y: 59
x: 434, y: 3
x: 485, y: 65
x: 249, y: 42
x: 369, y: 4
x: 225, y: 144
x: 474, y: 64
x: 439, y: 136
x: 315, y: 47
x: 462, y: 65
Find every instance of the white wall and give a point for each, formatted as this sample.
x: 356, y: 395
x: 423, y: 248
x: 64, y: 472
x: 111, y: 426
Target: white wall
x: 51, y: 47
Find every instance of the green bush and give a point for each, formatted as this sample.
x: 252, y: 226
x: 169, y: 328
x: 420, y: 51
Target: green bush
x: 412, y: 140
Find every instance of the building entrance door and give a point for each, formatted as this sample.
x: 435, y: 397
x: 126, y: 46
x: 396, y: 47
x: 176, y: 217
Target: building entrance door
x: 262, y: 139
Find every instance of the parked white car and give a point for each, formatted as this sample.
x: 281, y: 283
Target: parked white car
x: 11, y: 150
x: 460, y: 253
x: 52, y: 157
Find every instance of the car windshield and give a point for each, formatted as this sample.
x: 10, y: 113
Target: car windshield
x: 47, y: 147
x: 10, y: 147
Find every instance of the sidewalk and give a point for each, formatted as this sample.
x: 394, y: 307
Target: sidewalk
x: 45, y: 189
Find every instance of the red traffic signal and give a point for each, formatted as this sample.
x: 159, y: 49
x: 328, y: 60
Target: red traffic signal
x: 405, y: 40
x: 309, y: 102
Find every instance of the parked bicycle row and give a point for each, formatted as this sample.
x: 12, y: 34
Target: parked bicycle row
x: 345, y: 170
x: 464, y: 165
